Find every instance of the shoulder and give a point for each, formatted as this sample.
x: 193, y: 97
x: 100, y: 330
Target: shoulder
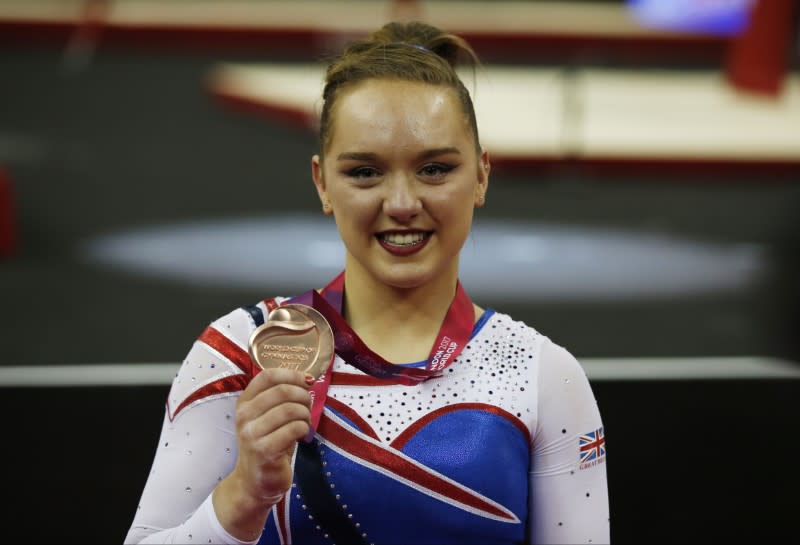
x: 497, y: 328
x: 218, y: 363
x: 551, y: 358
x: 229, y: 334
x: 240, y: 322
x: 564, y: 398
x: 563, y: 384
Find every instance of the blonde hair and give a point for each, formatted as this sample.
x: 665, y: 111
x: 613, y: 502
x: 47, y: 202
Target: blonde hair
x: 403, y: 51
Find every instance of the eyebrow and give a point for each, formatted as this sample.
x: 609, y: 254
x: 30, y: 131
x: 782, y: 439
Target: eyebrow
x: 368, y: 156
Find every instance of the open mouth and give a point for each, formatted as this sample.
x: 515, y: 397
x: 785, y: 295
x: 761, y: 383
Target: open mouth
x: 403, y: 239
x: 404, y: 243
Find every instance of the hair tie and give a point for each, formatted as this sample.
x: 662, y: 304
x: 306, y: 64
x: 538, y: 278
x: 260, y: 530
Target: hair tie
x: 417, y: 46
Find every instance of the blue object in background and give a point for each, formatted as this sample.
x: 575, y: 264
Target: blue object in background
x: 714, y: 17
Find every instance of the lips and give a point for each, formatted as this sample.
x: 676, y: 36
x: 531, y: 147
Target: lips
x: 402, y: 243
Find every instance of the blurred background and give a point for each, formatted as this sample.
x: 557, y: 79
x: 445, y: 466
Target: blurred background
x: 643, y: 212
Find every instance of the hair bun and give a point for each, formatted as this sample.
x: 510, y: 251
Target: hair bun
x: 453, y: 49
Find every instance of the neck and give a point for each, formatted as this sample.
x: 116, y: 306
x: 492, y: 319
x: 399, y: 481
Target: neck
x: 400, y: 324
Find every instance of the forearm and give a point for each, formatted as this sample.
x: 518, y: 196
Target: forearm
x: 193, y: 451
x: 240, y: 514
x: 202, y: 527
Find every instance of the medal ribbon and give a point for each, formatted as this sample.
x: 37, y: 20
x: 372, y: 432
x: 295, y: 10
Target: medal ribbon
x: 450, y: 341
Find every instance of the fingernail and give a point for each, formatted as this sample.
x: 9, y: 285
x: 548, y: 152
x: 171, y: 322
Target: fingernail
x: 310, y: 380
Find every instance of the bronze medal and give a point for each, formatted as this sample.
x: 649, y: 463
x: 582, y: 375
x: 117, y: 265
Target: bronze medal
x: 296, y: 337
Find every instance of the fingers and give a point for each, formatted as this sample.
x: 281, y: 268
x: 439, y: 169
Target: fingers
x: 270, y: 388
x: 271, y: 377
x: 279, y: 416
x: 274, y: 399
x: 282, y: 440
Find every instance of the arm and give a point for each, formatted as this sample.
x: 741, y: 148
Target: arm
x: 224, y: 455
x: 569, y: 497
x: 194, y: 450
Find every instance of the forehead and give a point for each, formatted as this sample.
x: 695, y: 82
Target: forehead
x: 378, y: 113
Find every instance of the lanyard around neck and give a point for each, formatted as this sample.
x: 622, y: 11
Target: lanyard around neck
x: 451, y: 339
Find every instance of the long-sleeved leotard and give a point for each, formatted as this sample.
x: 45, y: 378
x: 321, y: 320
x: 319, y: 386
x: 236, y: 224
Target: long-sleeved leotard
x: 506, y: 447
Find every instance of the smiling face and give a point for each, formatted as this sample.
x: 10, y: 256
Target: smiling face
x: 402, y: 176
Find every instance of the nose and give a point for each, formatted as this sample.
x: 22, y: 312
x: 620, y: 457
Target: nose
x: 401, y: 201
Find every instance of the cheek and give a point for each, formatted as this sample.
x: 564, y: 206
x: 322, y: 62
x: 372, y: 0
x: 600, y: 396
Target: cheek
x: 455, y: 205
x: 339, y: 195
x: 356, y: 208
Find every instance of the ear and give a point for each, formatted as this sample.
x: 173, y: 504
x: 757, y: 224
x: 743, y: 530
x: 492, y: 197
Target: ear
x: 319, y: 183
x: 483, y: 179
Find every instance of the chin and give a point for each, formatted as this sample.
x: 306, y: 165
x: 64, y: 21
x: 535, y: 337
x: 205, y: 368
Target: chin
x: 406, y: 277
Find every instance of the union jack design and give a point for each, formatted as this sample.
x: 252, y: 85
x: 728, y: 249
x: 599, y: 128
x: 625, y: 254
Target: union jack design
x: 592, y: 445
x: 369, y: 452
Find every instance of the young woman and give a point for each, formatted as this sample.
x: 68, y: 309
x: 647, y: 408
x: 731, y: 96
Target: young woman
x: 439, y: 421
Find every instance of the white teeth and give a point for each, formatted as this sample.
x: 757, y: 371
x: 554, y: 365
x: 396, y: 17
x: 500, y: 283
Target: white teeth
x: 400, y: 239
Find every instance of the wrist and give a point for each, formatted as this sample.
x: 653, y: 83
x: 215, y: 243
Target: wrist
x: 241, y: 513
